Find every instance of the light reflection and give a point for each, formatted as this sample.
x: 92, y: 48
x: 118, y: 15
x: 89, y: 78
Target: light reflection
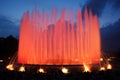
x: 86, y: 68
x: 10, y: 67
x: 109, y: 66
x: 65, y: 70
x: 102, y: 69
x: 41, y: 70
x: 101, y: 59
x: 22, y: 69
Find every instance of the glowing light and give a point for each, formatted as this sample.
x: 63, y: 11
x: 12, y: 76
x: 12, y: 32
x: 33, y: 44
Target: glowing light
x: 109, y: 66
x: 41, y: 70
x: 8, y: 57
x: 86, y: 68
x: 109, y: 59
x: 102, y: 69
x: 10, y: 67
x: 65, y: 70
x: 1, y: 61
x: 22, y: 69
x: 101, y: 59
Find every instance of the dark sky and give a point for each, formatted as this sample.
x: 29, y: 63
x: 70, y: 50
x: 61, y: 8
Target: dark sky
x: 11, y: 11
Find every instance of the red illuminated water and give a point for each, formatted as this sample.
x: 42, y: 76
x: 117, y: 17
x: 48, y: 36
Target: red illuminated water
x: 46, y: 40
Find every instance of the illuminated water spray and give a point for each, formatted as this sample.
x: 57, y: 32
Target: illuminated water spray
x: 69, y: 40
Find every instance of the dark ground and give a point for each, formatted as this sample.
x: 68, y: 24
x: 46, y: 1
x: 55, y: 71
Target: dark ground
x: 101, y: 75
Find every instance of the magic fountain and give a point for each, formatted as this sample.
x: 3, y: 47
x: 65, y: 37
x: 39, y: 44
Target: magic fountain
x: 46, y: 39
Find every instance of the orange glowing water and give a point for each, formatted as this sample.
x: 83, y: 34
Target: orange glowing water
x: 46, y: 40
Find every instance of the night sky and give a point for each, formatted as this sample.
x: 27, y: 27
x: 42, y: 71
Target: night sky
x: 11, y: 11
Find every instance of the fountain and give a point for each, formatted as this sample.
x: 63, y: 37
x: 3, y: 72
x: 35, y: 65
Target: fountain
x: 46, y: 39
